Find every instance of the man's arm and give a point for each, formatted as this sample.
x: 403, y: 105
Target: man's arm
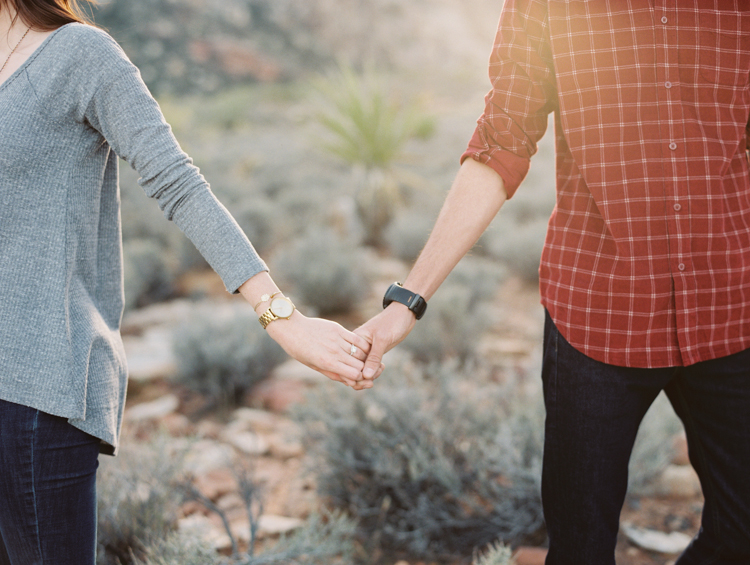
x: 475, y: 198
x: 524, y: 92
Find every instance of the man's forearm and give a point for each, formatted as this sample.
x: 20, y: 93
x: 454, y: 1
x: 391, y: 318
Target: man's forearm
x: 475, y: 198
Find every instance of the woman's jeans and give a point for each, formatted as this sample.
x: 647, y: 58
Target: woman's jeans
x: 593, y: 414
x: 47, y: 489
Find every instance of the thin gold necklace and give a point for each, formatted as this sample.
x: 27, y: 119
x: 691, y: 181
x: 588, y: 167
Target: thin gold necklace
x: 14, y: 50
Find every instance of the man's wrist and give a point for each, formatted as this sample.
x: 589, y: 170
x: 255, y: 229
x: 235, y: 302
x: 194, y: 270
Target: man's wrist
x: 413, y: 301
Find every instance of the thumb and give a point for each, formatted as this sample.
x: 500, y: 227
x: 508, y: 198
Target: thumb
x: 375, y: 356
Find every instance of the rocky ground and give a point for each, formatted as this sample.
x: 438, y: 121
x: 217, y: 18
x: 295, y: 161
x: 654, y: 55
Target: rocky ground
x: 654, y: 527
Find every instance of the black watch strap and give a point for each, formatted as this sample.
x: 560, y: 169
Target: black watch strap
x: 414, y: 302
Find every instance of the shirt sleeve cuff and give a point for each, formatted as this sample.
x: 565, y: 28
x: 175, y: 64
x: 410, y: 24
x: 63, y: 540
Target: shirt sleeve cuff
x: 511, y: 168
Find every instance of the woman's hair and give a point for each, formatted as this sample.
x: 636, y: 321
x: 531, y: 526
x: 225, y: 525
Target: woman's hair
x: 46, y: 15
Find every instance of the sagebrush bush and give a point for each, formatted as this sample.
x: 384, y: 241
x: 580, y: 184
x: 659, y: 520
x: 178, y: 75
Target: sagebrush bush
x: 495, y: 554
x: 325, y: 539
x: 324, y: 272
x: 438, y: 463
x: 138, y: 500
x: 458, y: 314
x: 224, y: 354
x: 518, y: 245
x: 258, y: 218
x: 180, y: 549
x: 407, y: 234
x: 148, y: 272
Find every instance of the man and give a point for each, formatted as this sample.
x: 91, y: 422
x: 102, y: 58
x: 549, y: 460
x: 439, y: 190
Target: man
x: 645, y: 273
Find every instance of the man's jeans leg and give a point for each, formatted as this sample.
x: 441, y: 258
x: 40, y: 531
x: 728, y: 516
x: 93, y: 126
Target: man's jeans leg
x: 713, y: 400
x: 47, y: 489
x: 593, y: 414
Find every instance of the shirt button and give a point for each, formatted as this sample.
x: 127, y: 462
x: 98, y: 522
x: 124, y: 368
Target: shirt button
x: 681, y: 266
x: 668, y: 84
x: 677, y: 207
x: 664, y: 19
x: 673, y: 146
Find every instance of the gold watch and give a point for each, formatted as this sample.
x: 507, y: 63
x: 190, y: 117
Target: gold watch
x: 281, y: 308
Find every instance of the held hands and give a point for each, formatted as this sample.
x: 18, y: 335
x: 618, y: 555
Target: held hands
x: 320, y: 344
x: 352, y: 358
x: 383, y: 332
x: 325, y: 346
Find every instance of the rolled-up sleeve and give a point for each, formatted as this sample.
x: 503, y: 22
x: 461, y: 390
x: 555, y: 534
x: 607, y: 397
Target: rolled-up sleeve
x: 522, y: 96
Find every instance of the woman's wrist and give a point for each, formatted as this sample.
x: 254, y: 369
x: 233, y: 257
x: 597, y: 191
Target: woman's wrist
x: 258, y: 291
x: 277, y: 328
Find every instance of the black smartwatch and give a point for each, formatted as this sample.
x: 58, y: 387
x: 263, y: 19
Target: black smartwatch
x: 411, y: 300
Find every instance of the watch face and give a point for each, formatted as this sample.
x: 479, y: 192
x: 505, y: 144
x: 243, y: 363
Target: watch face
x: 282, y: 307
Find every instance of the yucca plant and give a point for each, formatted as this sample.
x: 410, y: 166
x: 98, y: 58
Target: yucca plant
x: 368, y: 128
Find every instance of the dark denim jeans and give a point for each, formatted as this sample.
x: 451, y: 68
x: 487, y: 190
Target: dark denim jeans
x: 593, y: 414
x: 47, y: 489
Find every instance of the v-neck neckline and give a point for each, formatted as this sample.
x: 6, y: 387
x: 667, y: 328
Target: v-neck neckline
x: 30, y: 58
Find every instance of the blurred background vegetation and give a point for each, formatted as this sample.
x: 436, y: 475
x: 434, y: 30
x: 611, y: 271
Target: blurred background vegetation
x: 331, y: 129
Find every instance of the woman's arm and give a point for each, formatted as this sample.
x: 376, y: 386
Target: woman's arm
x: 120, y: 107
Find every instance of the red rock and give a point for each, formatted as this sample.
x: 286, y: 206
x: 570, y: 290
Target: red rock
x: 278, y: 395
x: 176, y: 425
x: 530, y: 556
x: 678, y: 481
x: 216, y: 483
x: 192, y: 507
x: 680, y: 450
x: 208, y: 430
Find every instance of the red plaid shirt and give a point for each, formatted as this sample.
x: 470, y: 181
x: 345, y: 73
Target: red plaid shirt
x: 647, y: 256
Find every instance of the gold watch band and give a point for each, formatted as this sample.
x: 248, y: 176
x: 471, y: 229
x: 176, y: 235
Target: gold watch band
x: 267, y: 318
x: 269, y: 315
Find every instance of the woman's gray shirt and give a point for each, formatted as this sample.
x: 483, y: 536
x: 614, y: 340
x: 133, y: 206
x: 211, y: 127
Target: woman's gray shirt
x: 65, y: 116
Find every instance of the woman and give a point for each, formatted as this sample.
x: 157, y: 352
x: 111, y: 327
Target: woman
x: 71, y: 103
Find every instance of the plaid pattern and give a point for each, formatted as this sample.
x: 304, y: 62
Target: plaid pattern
x: 647, y: 256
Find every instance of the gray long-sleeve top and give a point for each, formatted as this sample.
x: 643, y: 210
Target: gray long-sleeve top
x: 65, y: 116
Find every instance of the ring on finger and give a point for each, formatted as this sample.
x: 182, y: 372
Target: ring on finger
x: 353, y: 350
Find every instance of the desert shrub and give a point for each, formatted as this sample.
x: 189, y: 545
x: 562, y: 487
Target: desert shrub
x: 653, y: 450
x: 324, y: 271
x: 495, y: 554
x: 224, y: 353
x: 438, y: 464
x: 258, y: 218
x: 458, y: 313
x: 306, y: 207
x: 148, y: 271
x: 325, y: 539
x: 138, y: 500
x: 407, y: 234
x: 518, y: 245
x: 180, y: 549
